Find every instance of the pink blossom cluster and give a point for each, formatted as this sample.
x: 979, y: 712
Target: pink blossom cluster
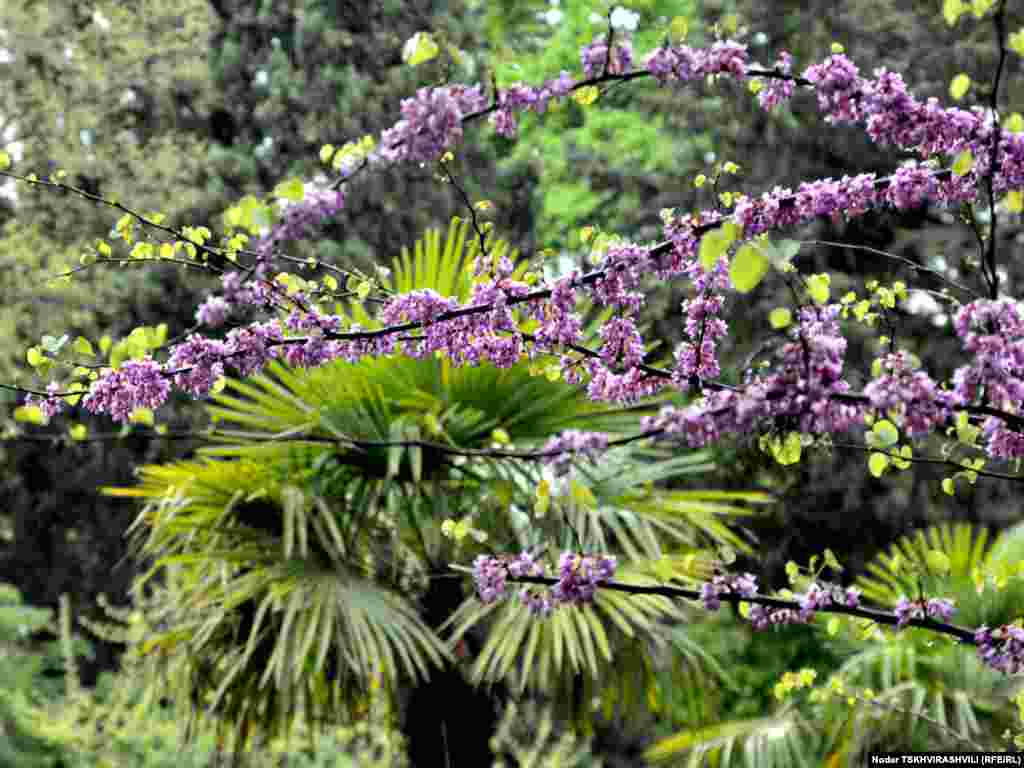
x: 431, y: 123
x: 937, y: 608
x: 912, y: 397
x: 681, y: 63
x: 137, y: 384
x: 1001, y: 648
x: 594, y: 56
x: 519, y: 96
x: 51, y: 404
x: 993, y: 333
x: 570, y: 443
x: 777, y: 90
x: 711, y: 592
x: 813, y: 600
x: 579, y: 577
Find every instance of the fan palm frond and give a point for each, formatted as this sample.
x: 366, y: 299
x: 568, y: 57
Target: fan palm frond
x: 783, y: 739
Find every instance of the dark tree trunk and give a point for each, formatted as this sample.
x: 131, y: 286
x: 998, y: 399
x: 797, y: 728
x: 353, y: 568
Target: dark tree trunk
x: 448, y: 722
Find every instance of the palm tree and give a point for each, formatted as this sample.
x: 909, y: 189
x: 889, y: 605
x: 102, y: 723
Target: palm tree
x: 311, y: 556
x: 926, y: 692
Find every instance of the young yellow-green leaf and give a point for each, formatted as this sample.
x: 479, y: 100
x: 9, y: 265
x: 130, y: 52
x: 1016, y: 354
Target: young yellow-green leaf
x: 963, y: 163
x: 5, y: 160
x: 419, y: 48
x: 833, y: 626
x: 586, y: 96
x: 330, y: 283
x: 363, y: 289
x: 31, y: 414
x: 82, y: 346
x: 951, y: 10
x: 937, y: 561
x: 780, y: 318
x: 883, y: 435
x: 748, y: 268
x: 291, y: 189
x: 959, y: 86
x: 788, y: 451
x: 700, y: 180
x: 818, y: 288
x: 678, y: 29
x: 1016, y: 42
x: 792, y: 571
x: 981, y: 7
x: 218, y: 385
x: 105, y: 343
x: 78, y: 431
x: 1014, y: 201
x: 142, y: 416
x: 35, y: 356
x: 837, y: 48
x: 1014, y: 123
x: 906, y: 452
x: 877, y: 464
x: 715, y: 244
x: 326, y: 153
x: 832, y: 561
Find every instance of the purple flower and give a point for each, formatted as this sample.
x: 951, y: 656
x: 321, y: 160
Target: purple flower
x: 137, y: 384
x: 1001, y: 648
x: 580, y: 576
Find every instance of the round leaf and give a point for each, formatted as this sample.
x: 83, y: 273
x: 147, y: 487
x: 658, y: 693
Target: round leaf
x: 748, y: 268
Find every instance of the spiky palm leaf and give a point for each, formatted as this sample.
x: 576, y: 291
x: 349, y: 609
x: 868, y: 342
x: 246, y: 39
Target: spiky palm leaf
x: 261, y: 615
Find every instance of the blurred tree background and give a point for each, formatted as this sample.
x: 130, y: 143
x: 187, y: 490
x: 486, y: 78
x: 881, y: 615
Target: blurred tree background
x: 185, y: 108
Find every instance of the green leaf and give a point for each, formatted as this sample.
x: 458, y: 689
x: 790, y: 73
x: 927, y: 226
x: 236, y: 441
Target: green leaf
x: 785, y: 251
x: 937, y: 561
x: 291, y: 189
x: 586, y: 96
x: 748, y: 268
x: 31, y: 414
x: 963, y: 163
x: 780, y: 318
x: 678, y: 29
x: 951, y: 10
x: 883, y: 434
x: 419, y: 48
x: 788, y: 451
x: 833, y: 626
x: 818, y: 288
x: 1016, y: 42
x: 877, y: 464
x: 142, y: 416
x: 959, y: 86
x: 715, y: 244
x: 832, y: 561
x: 53, y: 345
x: 82, y: 346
